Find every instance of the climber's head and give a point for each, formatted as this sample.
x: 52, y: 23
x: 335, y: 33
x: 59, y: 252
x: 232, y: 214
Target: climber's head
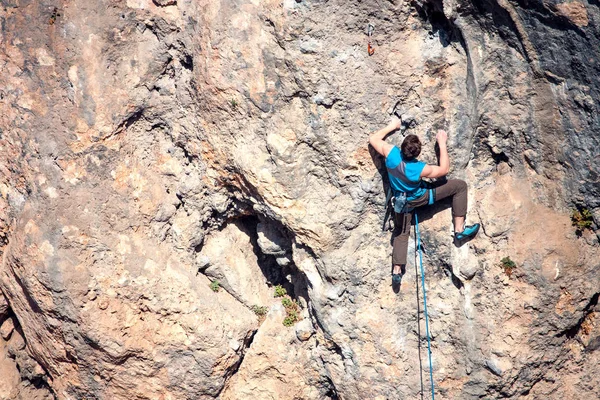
x: 411, y: 147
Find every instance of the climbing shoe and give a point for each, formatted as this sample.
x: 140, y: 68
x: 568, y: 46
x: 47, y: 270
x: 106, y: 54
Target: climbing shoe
x: 396, y: 279
x: 469, y: 232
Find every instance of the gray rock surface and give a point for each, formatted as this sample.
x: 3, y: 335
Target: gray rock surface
x: 270, y: 240
x: 150, y: 147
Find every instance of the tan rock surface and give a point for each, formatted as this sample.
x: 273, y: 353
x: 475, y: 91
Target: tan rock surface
x: 6, y: 328
x: 575, y: 12
x: 277, y: 365
x: 234, y: 264
x: 4, y: 307
x: 9, y: 373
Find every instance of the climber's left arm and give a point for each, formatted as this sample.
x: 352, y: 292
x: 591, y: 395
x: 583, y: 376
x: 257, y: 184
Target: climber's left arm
x: 377, y: 139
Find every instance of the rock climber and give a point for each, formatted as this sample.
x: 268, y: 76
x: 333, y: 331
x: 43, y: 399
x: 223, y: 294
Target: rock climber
x: 405, y: 174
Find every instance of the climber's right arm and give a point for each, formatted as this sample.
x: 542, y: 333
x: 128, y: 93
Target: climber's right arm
x: 434, y: 171
x: 377, y: 138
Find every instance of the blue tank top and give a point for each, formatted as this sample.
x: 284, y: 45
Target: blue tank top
x: 405, y: 176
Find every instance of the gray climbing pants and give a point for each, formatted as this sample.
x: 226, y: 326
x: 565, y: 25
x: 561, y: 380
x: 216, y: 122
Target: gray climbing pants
x: 456, y: 188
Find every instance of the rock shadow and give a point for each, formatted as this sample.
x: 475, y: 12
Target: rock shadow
x: 379, y: 163
x: 433, y: 12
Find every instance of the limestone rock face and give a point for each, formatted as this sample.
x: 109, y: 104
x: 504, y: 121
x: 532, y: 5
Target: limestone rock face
x: 22, y: 377
x: 278, y: 366
x: 151, y: 147
x: 10, y: 375
x: 234, y: 265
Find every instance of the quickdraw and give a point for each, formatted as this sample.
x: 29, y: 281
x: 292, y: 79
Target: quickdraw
x: 370, y: 48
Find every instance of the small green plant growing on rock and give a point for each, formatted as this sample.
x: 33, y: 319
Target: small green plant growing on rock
x: 234, y: 103
x: 290, y: 320
x: 508, y: 266
x: 581, y: 220
x: 292, y: 309
x: 260, y: 310
x: 292, y: 315
x: 215, y: 285
x: 286, y: 302
x: 279, y: 291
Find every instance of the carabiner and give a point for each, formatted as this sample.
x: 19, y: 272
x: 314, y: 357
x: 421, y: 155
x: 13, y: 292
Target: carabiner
x: 370, y: 48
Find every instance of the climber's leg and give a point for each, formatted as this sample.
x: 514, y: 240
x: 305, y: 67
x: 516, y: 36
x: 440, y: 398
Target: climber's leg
x: 400, y: 244
x: 402, y: 223
x: 457, y: 188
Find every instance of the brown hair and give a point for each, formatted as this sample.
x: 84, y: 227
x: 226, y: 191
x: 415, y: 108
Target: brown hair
x: 411, y: 147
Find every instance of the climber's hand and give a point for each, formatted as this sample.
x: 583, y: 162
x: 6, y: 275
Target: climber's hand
x: 377, y: 139
x: 442, y: 136
x: 394, y: 124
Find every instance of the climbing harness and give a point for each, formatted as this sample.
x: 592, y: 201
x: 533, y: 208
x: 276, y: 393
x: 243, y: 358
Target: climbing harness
x: 399, y: 201
x: 370, y: 48
x: 418, y: 235
x: 394, y: 201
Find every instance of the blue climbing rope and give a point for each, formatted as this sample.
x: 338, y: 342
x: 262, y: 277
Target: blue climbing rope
x: 425, y: 306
